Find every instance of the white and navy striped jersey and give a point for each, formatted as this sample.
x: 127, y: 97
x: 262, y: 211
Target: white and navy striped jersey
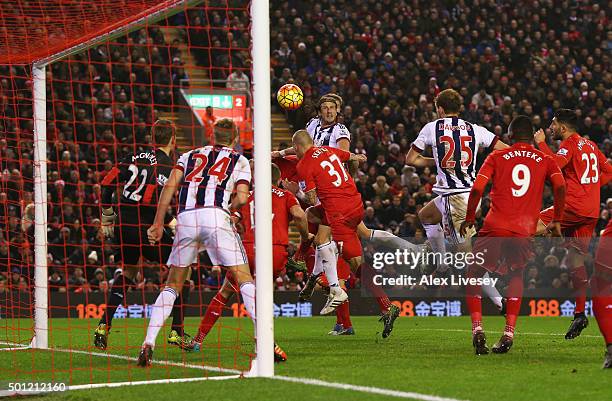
x: 455, y: 143
x: 328, y: 136
x: 210, y: 175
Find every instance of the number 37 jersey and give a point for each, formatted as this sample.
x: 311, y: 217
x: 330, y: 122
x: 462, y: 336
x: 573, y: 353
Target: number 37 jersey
x: 455, y: 143
x: 210, y: 176
x: 518, y: 174
x: 322, y: 169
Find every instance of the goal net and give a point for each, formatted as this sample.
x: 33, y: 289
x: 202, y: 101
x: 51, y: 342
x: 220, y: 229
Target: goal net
x: 94, y: 76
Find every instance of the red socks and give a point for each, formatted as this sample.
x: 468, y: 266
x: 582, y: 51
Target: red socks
x: 579, y: 282
x: 343, y: 315
x: 213, y: 312
x: 473, y: 298
x: 513, y: 303
x: 602, y: 306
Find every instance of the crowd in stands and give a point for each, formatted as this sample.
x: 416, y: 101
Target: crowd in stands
x: 387, y: 59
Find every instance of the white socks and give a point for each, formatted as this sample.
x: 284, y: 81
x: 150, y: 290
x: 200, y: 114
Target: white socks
x: 491, y: 292
x: 388, y: 240
x: 435, y: 235
x: 161, y: 310
x: 326, y: 259
x: 248, y: 298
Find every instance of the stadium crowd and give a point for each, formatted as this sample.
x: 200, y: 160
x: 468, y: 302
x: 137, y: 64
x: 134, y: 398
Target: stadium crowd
x: 387, y: 59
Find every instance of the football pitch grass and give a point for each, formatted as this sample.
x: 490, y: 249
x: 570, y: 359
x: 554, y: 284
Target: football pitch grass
x: 426, y: 358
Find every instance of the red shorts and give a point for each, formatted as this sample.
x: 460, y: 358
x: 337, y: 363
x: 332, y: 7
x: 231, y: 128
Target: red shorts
x: 344, y: 230
x: 501, y: 250
x: 577, y: 230
x: 279, y: 258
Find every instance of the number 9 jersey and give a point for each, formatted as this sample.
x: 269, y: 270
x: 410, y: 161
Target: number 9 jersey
x: 455, y: 144
x: 518, y: 174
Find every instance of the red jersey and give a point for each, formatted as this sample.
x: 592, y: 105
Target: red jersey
x: 322, y: 169
x: 582, y: 164
x: 287, y: 166
x: 282, y: 202
x: 518, y: 174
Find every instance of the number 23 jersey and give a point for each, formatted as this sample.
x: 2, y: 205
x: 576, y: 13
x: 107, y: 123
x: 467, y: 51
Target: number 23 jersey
x: 455, y: 143
x: 322, y: 169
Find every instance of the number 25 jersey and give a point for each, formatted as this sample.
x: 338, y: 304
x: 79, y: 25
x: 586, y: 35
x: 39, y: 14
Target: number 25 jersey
x: 322, y: 169
x: 455, y: 143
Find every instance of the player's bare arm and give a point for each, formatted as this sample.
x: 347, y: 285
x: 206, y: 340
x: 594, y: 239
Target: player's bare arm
x: 301, y: 222
x: 499, y: 145
x: 414, y: 158
x: 241, y: 197
x: 311, y: 197
x: 540, y: 139
x: 156, y: 230
x: 282, y: 153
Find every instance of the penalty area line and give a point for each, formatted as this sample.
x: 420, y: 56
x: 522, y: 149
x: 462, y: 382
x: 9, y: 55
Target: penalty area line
x: 364, y: 389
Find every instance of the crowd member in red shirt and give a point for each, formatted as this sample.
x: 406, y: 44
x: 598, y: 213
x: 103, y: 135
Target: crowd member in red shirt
x: 584, y: 167
x: 518, y: 174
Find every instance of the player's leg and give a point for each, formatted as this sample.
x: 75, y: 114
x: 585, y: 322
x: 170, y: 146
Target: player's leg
x: 431, y: 219
x: 579, y: 279
x: 386, y: 239
x: 160, y: 253
x: 214, y: 310
x: 344, y: 325
x: 184, y: 253
x: 489, y: 290
x: 473, y: 299
x: 514, y: 297
x: 130, y: 255
x: 578, y: 237
x: 601, y: 284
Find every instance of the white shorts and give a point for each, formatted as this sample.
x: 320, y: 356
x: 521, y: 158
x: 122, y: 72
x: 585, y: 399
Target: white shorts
x: 453, y: 208
x: 207, y: 229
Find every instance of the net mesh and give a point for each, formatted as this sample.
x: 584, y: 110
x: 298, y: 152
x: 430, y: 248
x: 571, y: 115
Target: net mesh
x: 192, y: 68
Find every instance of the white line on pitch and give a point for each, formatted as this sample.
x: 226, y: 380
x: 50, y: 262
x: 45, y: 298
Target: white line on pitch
x: 129, y: 358
x: 518, y: 333
x: 364, y: 389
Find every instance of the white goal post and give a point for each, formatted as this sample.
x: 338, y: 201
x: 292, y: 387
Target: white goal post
x: 260, y: 33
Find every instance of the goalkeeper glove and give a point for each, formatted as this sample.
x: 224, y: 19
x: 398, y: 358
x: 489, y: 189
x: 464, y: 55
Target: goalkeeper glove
x: 108, y: 222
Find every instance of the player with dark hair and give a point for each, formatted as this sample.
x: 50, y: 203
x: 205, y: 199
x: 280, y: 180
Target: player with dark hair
x: 518, y: 174
x: 139, y: 177
x: 455, y: 144
x: 285, y: 207
x: 583, y: 165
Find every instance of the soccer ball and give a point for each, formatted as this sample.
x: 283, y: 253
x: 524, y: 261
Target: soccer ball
x: 290, y: 97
